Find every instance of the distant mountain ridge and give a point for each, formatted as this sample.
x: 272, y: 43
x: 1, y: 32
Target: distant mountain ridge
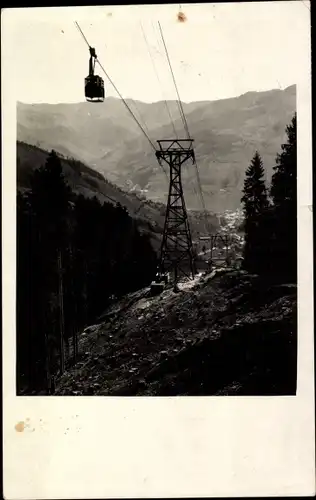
x: 226, y: 134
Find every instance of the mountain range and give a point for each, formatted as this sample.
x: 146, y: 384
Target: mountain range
x: 106, y: 138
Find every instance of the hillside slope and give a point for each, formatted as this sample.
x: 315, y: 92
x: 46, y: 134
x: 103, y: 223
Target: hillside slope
x: 226, y: 133
x: 85, y: 180
x: 80, y: 177
x: 231, y: 334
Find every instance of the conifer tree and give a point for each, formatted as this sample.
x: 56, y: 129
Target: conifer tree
x: 30, y: 342
x: 284, y: 197
x: 283, y: 185
x: 49, y: 200
x: 255, y: 203
x: 254, y: 192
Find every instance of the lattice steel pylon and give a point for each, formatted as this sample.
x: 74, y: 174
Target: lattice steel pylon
x: 176, y: 247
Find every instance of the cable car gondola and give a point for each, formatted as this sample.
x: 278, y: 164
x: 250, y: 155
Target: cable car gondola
x: 94, y: 84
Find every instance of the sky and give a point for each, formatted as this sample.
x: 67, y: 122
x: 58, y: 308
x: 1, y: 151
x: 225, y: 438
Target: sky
x: 221, y: 50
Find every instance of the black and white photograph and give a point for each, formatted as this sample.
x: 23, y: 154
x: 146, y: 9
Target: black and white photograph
x: 156, y: 204
x: 157, y: 251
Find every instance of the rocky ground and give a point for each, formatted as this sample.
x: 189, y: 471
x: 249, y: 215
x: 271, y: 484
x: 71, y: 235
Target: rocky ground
x: 228, y: 334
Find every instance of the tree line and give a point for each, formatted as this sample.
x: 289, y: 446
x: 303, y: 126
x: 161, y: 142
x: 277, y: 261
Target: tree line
x: 271, y: 215
x: 74, y: 255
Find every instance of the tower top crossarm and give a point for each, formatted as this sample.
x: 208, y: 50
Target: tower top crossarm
x: 173, y: 145
x: 175, y: 148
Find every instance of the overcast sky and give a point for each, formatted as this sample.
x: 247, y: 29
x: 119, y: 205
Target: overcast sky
x: 222, y: 50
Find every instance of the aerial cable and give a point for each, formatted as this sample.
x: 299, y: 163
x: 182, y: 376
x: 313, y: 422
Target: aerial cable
x: 186, y: 128
x: 174, y: 81
x: 126, y: 105
x: 205, y: 212
x: 175, y: 84
x: 199, y: 183
x: 159, y: 50
x: 157, y: 75
x: 141, y: 117
x: 123, y: 100
x: 83, y: 36
x: 116, y: 89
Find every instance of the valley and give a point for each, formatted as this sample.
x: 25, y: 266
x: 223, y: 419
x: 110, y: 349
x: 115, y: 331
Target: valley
x: 226, y: 134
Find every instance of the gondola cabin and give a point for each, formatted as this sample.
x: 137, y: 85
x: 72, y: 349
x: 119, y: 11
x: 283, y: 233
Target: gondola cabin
x: 94, y: 84
x: 94, y: 88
